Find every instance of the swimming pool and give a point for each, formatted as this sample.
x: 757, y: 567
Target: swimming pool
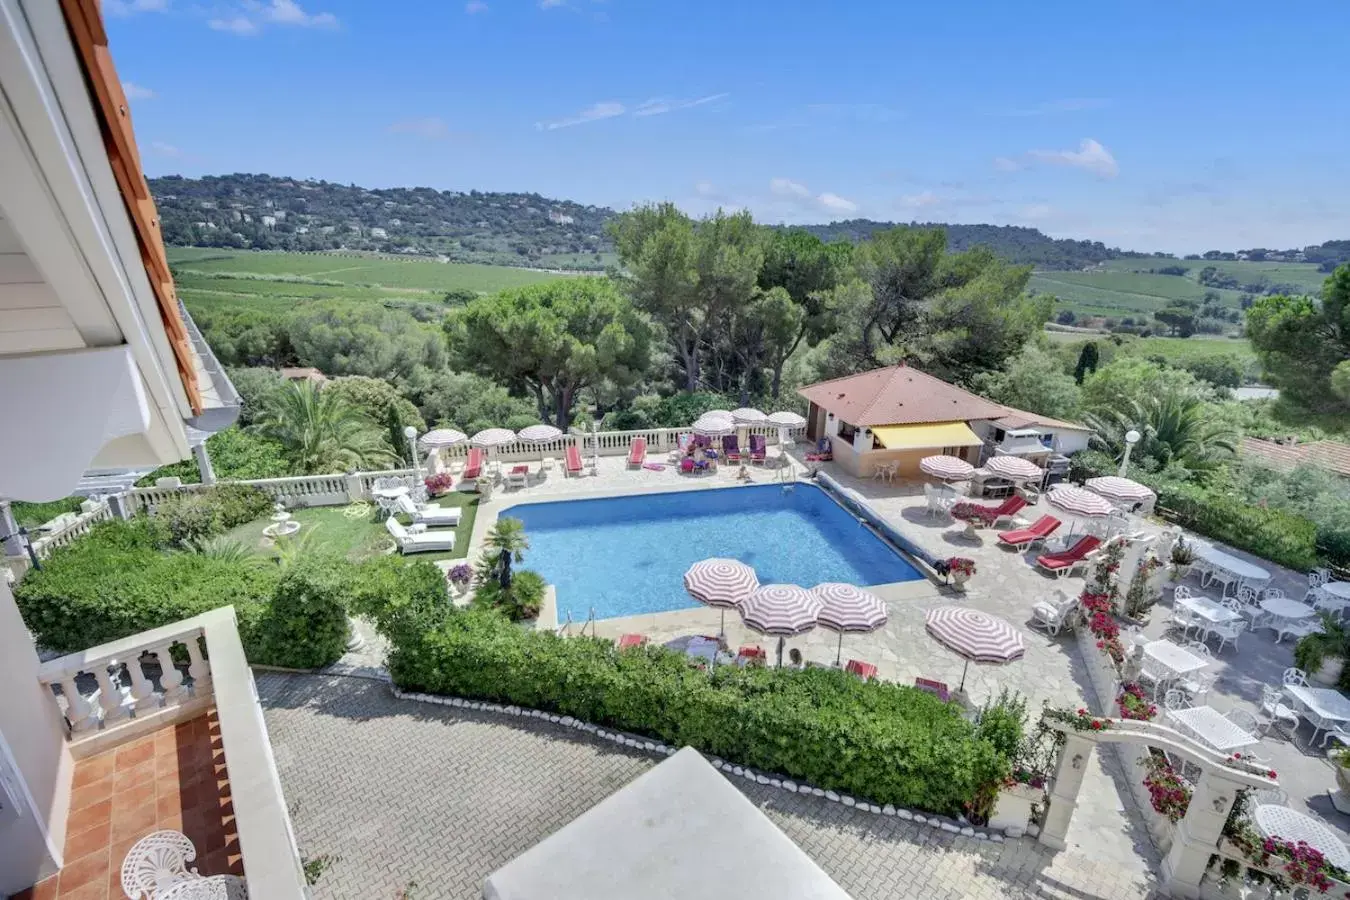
x: 624, y: 556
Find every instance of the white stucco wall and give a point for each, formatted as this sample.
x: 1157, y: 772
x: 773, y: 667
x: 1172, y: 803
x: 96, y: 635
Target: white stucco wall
x: 31, y: 728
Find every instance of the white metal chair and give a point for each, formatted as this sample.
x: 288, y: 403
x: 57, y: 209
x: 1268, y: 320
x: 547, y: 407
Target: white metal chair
x: 1054, y: 615
x: 1197, y: 684
x: 1299, y: 628
x: 938, y: 504
x: 155, y: 862
x: 1226, y: 632
x: 1200, y: 649
x: 1274, y: 711
x: 1174, y: 701
x: 1224, y: 577
x: 1152, y: 672
x: 1183, y: 619
x: 1273, y: 593
x: 212, y: 887
x: 1244, y: 720
x: 1181, y: 592
x: 1341, y: 733
x: 1293, y: 677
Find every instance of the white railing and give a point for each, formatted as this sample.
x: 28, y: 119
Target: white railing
x: 367, y: 479
x: 305, y: 490
x: 115, y: 702
x: 79, y: 526
x: 139, y: 499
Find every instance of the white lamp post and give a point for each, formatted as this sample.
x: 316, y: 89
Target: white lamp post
x: 411, y: 434
x: 1131, y: 438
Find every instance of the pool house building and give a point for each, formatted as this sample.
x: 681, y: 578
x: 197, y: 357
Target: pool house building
x: 899, y: 414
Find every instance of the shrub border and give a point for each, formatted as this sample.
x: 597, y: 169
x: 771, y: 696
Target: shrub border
x: 769, y: 779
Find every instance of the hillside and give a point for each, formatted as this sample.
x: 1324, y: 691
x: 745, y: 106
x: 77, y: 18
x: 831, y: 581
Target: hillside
x: 260, y: 212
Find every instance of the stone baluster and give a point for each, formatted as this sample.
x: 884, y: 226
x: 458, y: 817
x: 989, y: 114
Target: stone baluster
x: 109, y: 691
x: 79, y: 712
x: 198, y: 668
x: 142, y: 691
x: 170, y: 679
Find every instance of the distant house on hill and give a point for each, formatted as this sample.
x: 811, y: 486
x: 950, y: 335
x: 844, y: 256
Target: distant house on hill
x: 900, y: 415
x: 378, y: 233
x: 1333, y: 456
x: 307, y: 373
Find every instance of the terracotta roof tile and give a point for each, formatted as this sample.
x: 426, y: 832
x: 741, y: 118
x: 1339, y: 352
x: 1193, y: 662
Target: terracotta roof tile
x: 898, y: 395
x: 1332, y: 455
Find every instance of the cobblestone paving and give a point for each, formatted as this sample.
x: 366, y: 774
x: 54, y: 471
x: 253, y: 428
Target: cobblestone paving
x: 402, y: 792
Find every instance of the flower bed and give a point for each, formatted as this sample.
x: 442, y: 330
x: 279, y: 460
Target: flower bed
x: 1103, y: 624
x: 974, y: 513
x: 1170, y: 796
x: 1134, y: 703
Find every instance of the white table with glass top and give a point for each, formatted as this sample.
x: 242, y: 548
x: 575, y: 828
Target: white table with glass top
x: 1209, y: 726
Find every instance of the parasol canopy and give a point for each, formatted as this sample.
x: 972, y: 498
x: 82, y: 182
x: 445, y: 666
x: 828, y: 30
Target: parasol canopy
x: 948, y: 468
x: 492, y: 437
x: 780, y: 610
x: 441, y: 437
x: 1014, y: 467
x: 847, y: 609
x: 720, y: 583
x: 1122, y: 490
x: 974, y: 636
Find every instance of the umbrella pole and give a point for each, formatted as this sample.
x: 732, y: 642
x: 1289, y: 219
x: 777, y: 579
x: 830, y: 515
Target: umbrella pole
x: 962, y: 688
x: 780, y: 653
x: 839, y: 651
x: 722, y: 629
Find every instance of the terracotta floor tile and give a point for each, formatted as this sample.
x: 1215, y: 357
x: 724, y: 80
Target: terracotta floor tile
x: 91, y: 793
x: 87, y: 841
x: 94, y: 814
x: 131, y: 797
x: 92, y: 869
x: 170, y: 823
x: 95, y: 768
x: 169, y: 767
x: 94, y: 891
x: 134, y: 775
x: 135, y: 753
x: 128, y: 823
x: 168, y: 805
x: 119, y: 852
x: 43, y: 890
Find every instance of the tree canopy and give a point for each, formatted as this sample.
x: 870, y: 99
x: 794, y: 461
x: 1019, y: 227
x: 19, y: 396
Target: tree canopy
x: 1301, y: 342
x: 553, y: 340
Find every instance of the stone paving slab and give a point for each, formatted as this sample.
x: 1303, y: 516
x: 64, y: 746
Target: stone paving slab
x: 403, y: 792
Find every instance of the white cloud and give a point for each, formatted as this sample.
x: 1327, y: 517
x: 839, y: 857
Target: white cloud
x: 240, y: 25
x: 426, y: 127
x: 135, y: 91
x: 1034, y: 212
x: 159, y: 148
x: 607, y: 110
x: 124, y: 8
x: 786, y: 187
x: 835, y: 203
x: 288, y: 12
x: 659, y: 105
x: 1006, y: 164
x: 1055, y: 107
x: 473, y: 7
x: 1090, y: 156
x: 920, y: 200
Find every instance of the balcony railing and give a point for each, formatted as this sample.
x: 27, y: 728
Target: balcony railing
x: 140, y: 689
x: 46, y: 543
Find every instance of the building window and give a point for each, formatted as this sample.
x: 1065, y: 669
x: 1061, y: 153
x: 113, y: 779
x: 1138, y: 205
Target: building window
x: 846, y: 432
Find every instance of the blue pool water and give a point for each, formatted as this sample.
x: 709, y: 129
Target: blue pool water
x: 627, y: 555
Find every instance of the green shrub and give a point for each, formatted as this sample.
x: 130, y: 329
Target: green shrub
x: 190, y: 519
x: 885, y: 742
x: 305, y: 625
x: 520, y: 601
x: 113, y: 582
x: 404, y: 598
x: 239, y: 503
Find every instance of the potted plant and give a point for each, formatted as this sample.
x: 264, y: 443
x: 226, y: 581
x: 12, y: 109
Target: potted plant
x: 1013, y: 807
x: 483, y: 484
x: 974, y: 515
x: 459, y: 576
x: 439, y: 483
x: 1183, y: 557
x: 961, y: 570
x: 1322, y: 654
x: 1340, y: 758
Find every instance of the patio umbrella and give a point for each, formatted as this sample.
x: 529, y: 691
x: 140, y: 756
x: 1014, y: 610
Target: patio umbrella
x: 974, y: 636
x: 539, y: 434
x: 849, y: 609
x: 718, y: 414
x: 441, y: 437
x: 948, y: 468
x: 781, y: 611
x: 1015, y: 468
x: 786, y: 421
x: 714, y: 427
x: 492, y: 437
x: 747, y: 416
x: 720, y: 583
x: 1121, y: 490
x: 1078, y: 502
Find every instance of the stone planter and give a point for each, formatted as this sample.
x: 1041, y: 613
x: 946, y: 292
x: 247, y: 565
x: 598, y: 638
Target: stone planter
x: 1012, y: 812
x: 1330, y: 671
x: 484, y: 487
x: 959, y: 580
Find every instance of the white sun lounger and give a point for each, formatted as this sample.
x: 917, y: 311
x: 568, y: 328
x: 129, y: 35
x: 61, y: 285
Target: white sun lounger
x: 417, y: 541
x: 429, y: 513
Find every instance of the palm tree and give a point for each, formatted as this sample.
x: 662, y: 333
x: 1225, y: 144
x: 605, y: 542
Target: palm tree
x: 320, y: 432
x: 1174, y: 429
x: 506, y: 535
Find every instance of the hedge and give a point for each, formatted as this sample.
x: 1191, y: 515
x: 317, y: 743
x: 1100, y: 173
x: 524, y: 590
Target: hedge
x: 115, y: 582
x: 884, y: 742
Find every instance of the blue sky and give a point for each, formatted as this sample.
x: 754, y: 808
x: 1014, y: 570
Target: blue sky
x: 1180, y: 126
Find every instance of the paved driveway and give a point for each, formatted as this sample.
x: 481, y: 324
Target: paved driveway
x: 406, y: 793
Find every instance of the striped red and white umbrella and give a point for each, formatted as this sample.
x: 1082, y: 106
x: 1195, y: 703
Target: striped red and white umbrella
x: 720, y: 583
x: 849, y: 609
x: 441, y: 437
x: 1078, y: 502
x: 747, y: 415
x: 1124, y: 490
x: 974, y: 636
x: 1014, y: 467
x: 539, y: 434
x: 492, y: 437
x: 780, y: 610
x: 948, y: 468
x: 714, y: 426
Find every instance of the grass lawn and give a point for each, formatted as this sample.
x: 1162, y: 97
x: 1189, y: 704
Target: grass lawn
x: 358, y: 538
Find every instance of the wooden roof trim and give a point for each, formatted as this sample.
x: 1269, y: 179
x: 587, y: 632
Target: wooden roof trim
x: 114, y: 115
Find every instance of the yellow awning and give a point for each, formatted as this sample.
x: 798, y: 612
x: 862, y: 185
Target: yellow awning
x: 931, y: 435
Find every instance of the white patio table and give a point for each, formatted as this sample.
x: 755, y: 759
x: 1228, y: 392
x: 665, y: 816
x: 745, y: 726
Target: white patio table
x: 1211, y: 611
x: 1207, y: 724
x: 1283, y: 610
x: 1174, y: 657
x: 1335, y: 595
x: 1323, y: 707
x: 1281, y: 821
x: 1232, y: 565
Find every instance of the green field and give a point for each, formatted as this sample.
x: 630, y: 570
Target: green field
x: 1124, y: 287
x: 357, y: 271
x: 1174, y: 350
